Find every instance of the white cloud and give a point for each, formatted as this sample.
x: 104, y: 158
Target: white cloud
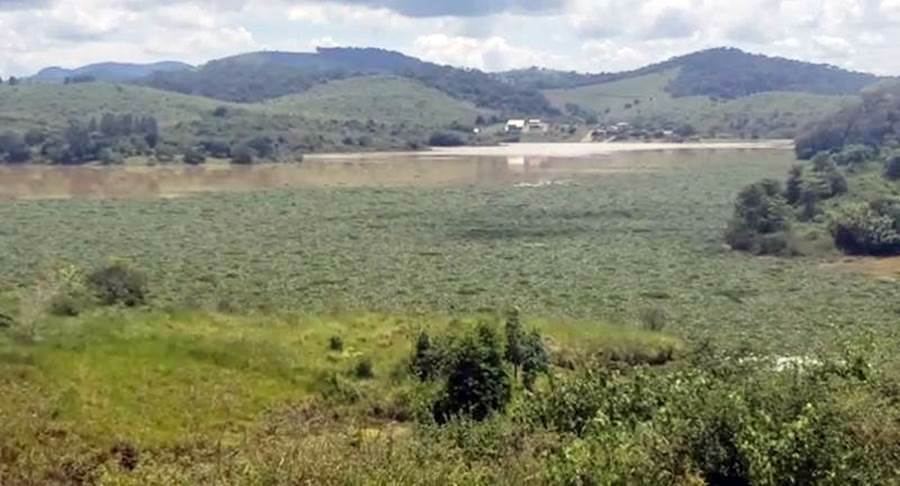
x: 595, y: 35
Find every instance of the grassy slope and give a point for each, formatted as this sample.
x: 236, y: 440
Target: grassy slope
x: 387, y: 99
x: 149, y: 376
x: 792, y: 109
x: 51, y: 105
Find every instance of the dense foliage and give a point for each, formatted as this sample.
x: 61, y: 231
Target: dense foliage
x: 267, y: 75
x: 760, y: 219
x: 872, y: 122
x: 731, y: 73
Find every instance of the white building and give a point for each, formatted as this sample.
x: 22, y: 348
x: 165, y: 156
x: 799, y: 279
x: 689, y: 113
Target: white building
x: 515, y: 126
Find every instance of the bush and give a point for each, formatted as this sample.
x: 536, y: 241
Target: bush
x: 759, y: 224
x: 854, y: 155
x: 193, y: 156
x: 654, y: 319
x: 335, y: 343
x: 446, y: 139
x: 364, y: 369
x: 477, y: 383
x: 859, y: 228
x: 118, y: 283
x: 892, y: 167
x: 242, y: 155
x: 426, y: 360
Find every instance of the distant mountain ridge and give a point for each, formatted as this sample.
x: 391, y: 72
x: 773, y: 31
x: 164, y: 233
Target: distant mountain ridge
x: 723, y: 72
x: 109, y: 71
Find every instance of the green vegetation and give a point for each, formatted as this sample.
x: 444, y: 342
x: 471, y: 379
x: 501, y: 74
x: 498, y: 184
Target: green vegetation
x: 489, y: 334
x: 722, y: 73
x: 259, y: 76
x: 770, y: 114
x: 43, y: 122
x: 868, y: 122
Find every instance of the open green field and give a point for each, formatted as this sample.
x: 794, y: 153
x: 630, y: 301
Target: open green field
x: 645, y: 99
x: 230, y: 374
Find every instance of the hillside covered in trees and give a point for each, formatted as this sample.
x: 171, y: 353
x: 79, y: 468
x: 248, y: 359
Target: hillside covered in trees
x: 265, y: 75
x: 725, y: 73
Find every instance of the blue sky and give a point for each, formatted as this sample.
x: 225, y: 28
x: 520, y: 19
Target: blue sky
x: 583, y: 35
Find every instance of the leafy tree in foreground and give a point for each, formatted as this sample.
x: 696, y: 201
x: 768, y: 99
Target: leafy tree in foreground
x: 477, y: 383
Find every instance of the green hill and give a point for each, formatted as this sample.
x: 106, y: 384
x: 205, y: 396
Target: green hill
x: 51, y: 106
x: 260, y: 76
x: 363, y: 113
x: 646, y: 99
x: 386, y: 99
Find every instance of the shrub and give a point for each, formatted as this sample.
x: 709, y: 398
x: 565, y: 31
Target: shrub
x: 654, y: 318
x: 477, y: 383
x: 242, y: 155
x: 118, y: 283
x: 515, y: 349
x: 759, y: 224
x: 193, y: 156
x: 425, y: 363
x: 892, y: 167
x: 335, y: 343
x: 859, y: 228
x: 535, y: 360
x: 446, y: 139
x: 364, y: 369
x: 853, y: 155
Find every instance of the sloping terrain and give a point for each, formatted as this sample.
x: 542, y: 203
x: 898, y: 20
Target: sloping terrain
x: 261, y: 76
x: 386, y: 99
x: 108, y: 71
x: 646, y: 99
x: 51, y: 106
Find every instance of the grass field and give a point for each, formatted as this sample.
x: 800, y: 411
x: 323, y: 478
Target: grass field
x: 645, y: 98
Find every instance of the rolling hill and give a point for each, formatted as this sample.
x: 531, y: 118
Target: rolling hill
x: 108, y: 71
x: 381, y: 98
x: 261, y: 76
x: 647, y: 99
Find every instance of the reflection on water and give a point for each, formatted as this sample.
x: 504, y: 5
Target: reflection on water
x: 428, y: 170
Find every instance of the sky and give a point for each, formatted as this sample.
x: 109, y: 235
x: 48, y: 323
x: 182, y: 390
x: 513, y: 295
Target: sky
x: 493, y: 35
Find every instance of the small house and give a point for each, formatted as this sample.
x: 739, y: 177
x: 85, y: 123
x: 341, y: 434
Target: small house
x: 515, y: 126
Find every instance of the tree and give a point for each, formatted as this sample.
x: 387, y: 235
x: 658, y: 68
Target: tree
x: 477, y: 383
x: 18, y: 154
x: 892, y: 167
x: 515, y: 351
x: 759, y: 224
x: 34, y: 137
x: 535, y: 360
x: 426, y: 360
x: 13, y: 81
x: 446, y: 139
x: 193, y: 156
x: 242, y: 154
